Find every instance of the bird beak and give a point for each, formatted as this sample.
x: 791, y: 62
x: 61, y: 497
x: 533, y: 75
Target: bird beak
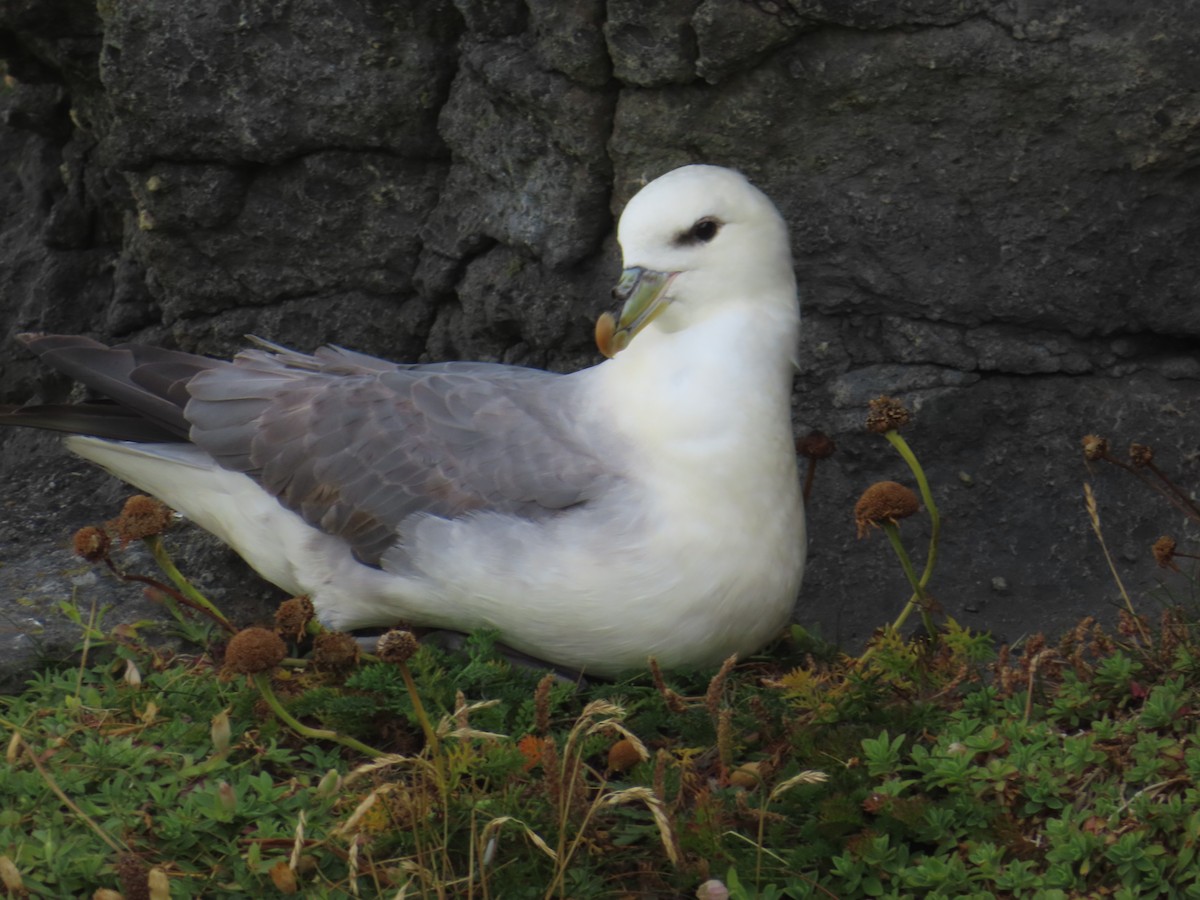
x: 644, y: 295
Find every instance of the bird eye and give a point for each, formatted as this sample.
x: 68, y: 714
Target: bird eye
x: 702, y: 232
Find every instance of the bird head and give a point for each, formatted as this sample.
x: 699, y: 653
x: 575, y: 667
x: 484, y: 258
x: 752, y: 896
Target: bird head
x: 694, y: 240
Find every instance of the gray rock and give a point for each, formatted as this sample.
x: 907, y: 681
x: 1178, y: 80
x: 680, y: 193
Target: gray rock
x: 219, y: 81
x: 651, y: 45
x: 281, y: 233
x: 993, y: 209
x: 570, y: 39
x: 519, y: 132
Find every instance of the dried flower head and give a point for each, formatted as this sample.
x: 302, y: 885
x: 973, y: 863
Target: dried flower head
x: 886, y: 414
x: 816, y: 445
x: 293, y: 616
x: 141, y: 517
x: 884, y: 501
x: 1094, y: 447
x: 1164, y: 552
x: 396, y: 646
x: 335, y: 651
x: 254, y: 650
x: 92, y: 543
x: 623, y: 756
x: 1141, y: 455
x: 134, y: 876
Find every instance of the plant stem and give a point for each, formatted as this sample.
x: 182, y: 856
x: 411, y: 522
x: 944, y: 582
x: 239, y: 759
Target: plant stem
x: 935, y: 520
x: 432, y: 745
x: 1093, y: 511
x: 431, y: 738
x: 262, y: 680
x: 919, y: 598
x: 194, y: 597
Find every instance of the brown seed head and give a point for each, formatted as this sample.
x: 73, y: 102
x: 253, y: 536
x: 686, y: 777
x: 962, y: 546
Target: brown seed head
x: 335, y: 651
x: 886, y: 414
x: 623, y: 756
x: 884, y: 501
x: 1164, y: 552
x: 293, y: 616
x: 134, y: 877
x: 1141, y: 455
x: 141, y: 517
x: 816, y: 445
x: 396, y: 646
x: 254, y: 650
x: 92, y: 543
x: 1095, y: 447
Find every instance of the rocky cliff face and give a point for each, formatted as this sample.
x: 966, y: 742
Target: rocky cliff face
x: 995, y: 208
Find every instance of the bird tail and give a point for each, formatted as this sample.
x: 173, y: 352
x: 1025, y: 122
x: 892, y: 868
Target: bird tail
x: 103, y: 420
x: 148, y: 385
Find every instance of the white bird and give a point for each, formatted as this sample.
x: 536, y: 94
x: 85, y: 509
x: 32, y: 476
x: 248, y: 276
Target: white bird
x: 647, y: 506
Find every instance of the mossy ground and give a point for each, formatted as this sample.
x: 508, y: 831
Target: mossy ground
x: 1064, y: 769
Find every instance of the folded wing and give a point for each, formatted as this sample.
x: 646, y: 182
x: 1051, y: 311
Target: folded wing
x: 353, y: 444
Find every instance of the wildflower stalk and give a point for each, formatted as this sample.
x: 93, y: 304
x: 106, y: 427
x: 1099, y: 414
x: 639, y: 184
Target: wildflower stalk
x: 919, y: 598
x: 262, y: 680
x: 432, y: 744
x: 886, y: 416
x: 935, y: 520
x: 193, y: 597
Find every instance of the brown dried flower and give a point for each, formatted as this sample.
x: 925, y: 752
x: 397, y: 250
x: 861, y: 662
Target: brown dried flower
x: 335, y: 651
x: 293, y: 616
x: 816, y: 445
x: 134, y: 876
x: 886, y: 414
x: 254, y: 650
x: 1141, y: 455
x: 1095, y: 447
x: 141, y: 517
x: 1164, y: 552
x: 396, y: 646
x: 884, y: 501
x: 92, y: 543
x: 623, y: 756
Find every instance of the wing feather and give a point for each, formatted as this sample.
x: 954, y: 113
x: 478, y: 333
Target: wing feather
x: 354, y: 444
x: 356, y: 447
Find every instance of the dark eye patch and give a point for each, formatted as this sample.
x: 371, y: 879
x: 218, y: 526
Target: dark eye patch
x: 701, y: 233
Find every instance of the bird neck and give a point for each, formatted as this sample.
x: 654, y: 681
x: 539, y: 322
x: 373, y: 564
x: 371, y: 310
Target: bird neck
x: 729, y: 372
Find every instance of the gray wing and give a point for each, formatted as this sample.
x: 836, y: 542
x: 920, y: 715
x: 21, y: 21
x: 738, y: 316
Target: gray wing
x: 355, y: 445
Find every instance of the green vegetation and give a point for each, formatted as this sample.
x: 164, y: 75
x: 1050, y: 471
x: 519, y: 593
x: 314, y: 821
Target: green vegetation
x: 930, y: 766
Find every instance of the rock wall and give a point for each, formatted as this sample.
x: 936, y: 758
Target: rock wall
x: 995, y: 207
